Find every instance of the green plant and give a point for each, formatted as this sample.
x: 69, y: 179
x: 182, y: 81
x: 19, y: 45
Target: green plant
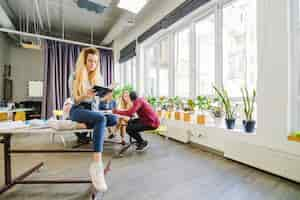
x: 203, y: 103
x: 223, y: 95
x: 162, y: 102
x: 191, y: 104
x: 170, y: 104
x: 248, y: 103
x: 178, y: 103
x: 152, y: 101
x: 216, y: 107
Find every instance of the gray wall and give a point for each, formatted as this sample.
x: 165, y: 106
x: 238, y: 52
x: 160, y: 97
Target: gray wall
x: 4, y: 49
x: 26, y: 66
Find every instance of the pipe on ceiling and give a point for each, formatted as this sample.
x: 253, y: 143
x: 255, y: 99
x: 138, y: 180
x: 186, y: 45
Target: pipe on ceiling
x: 5, y: 30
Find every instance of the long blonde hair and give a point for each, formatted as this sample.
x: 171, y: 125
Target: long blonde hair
x: 122, y: 104
x: 82, y: 75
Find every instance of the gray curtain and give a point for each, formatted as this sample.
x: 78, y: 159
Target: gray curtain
x: 59, y: 63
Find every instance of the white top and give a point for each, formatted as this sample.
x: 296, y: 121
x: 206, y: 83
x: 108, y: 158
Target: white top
x: 94, y: 101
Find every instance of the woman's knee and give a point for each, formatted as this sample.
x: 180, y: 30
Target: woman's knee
x: 99, y: 117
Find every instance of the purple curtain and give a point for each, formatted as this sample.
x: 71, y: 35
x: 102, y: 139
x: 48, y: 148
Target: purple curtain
x: 59, y: 63
x: 107, y: 66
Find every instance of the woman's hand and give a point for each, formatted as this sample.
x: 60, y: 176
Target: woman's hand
x: 114, y: 111
x: 81, y: 126
x: 91, y: 93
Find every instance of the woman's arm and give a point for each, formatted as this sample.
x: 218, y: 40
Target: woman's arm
x: 136, y: 106
x: 90, y: 94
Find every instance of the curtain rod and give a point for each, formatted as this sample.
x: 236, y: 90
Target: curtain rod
x: 5, y: 30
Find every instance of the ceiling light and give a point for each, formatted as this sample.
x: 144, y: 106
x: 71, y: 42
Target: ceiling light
x: 132, y: 5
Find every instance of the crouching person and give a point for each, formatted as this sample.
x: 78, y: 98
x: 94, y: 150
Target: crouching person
x: 147, y: 120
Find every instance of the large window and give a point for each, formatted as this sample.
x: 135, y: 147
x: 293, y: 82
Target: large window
x: 128, y: 72
x: 164, y: 67
x: 239, y: 46
x: 157, y: 68
x: 150, y: 70
x: 218, y: 47
x: 205, y: 55
x: 182, y: 63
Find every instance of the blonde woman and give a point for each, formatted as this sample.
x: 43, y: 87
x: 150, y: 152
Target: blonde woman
x: 124, y: 104
x: 87, y: 75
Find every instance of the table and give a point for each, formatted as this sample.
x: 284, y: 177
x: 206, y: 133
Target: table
x: 6, y: 141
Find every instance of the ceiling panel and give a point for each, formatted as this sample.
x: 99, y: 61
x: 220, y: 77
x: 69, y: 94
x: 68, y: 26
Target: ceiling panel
x: 78, y: 22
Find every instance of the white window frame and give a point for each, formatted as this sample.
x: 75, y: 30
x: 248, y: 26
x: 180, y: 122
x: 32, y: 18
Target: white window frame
x: 294, y: 29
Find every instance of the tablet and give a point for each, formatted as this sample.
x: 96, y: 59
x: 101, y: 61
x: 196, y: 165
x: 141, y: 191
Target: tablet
x: 101, y: 91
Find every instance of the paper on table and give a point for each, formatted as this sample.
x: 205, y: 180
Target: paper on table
x: 12, y: 125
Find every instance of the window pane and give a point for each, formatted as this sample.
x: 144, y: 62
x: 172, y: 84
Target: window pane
x: 205, y: 55
x: 164, y: 68
x: 182, y: 63
x: 239, y: 46
x: 134, y: 68
x: 122, y: 74
x: 128, y: 72
x: 151, y: 78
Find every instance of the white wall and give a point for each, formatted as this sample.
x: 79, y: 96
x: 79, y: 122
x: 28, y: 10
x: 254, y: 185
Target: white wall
x: 26, y: 65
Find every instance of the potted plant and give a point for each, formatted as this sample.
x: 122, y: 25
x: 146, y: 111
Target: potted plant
x: 179, y: 107
x: 170, y: 108
x: 216, y: 107
x: 153, y: 102
x: 189, y: 111
x: 229, y: 109
x: 203, y: 104
x: 249, y: 123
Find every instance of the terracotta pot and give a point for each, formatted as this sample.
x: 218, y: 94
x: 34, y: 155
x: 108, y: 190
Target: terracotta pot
x: 159, y: 113
x: 178, y: 115
x: 201, y: 119
x: 187, y: 117
x: 168, y: 115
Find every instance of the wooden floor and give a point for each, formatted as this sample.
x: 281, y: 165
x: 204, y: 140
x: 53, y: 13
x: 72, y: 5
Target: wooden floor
x: 168, y: 171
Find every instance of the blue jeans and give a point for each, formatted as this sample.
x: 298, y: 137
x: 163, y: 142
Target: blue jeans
x: 95, y: 120
x: 111, y: 120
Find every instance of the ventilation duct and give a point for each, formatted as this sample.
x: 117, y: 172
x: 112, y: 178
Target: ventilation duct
x: 92, y: 6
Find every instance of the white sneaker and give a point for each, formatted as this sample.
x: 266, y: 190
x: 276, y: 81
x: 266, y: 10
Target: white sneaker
x: 97, y: 176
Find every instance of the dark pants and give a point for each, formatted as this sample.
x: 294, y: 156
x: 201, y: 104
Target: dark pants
x: 134, y: 128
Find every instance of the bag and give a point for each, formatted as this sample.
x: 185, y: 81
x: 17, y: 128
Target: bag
x: 85, y: 105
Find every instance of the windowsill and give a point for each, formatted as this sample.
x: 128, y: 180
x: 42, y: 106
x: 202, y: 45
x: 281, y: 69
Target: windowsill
x: 221, y: 125
x: 293, y: 138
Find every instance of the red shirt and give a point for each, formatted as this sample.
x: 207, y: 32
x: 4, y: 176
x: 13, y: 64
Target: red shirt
x: 144, y: 111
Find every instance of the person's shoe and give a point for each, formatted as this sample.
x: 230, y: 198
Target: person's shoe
x: 83, y: 140
x: 97, y: 176
x: 142, y: 146
x: 111, y: 136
